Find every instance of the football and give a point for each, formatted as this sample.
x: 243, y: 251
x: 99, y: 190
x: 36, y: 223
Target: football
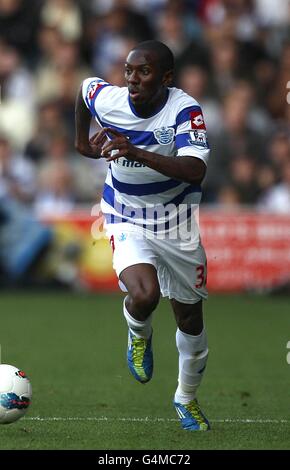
x: 15, y: 393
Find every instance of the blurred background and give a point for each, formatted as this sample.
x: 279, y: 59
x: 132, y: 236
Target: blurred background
x: 58, y: 322
x: 232, y: 56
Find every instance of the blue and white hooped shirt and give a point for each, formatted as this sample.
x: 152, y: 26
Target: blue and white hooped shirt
x: 177, y: 129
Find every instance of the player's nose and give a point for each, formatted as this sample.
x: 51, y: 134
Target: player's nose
x: 133, y: 78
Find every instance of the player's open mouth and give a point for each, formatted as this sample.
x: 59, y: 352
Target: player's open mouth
x: 134, y: 94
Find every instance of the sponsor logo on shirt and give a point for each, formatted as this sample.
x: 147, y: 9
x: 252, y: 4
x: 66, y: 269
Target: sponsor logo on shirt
x: 164, y: 135
x: 196, y: 120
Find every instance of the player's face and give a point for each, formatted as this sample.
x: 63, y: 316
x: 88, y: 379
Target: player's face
x: 145, y: 80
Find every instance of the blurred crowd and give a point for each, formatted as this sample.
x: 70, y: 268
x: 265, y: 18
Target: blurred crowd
x: 232, y: 56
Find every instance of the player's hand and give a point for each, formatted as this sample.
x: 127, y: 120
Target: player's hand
x: 91, y: 148
x: 96, y: 143
x: 118, y: 142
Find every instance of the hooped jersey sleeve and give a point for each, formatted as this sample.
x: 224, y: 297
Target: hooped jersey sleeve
x: 91, y: 87
x: 191, y: 137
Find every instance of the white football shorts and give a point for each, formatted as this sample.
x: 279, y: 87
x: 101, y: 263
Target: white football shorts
x: 181, y: 265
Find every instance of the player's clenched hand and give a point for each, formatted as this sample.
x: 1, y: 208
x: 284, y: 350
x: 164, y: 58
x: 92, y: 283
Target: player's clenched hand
x: 118, y: 142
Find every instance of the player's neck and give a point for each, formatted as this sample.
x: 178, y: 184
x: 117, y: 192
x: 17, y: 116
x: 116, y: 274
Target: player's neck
x: 153, y: 106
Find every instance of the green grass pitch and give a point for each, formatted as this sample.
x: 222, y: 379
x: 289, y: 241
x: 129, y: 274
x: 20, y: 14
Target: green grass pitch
x: 73, y: 347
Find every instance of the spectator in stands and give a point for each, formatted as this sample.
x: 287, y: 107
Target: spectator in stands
x: 51, y: 76
x: 16, y: 80
x: 232, y: 56
x: 266, y: 178
x: 225, y: 65
x: 22, y: 238
x: 193, y: 79
x: 243, y: 170
x: 277, y: 198
x: 171, y: 31
x: 19, y: 23
x: 279, y: 149
x: 228, y: 198
x: 278, y: 96
x: 115, y: 33
x: 55, y: 184
x: 17, y: 174
x: 115, y: 75
x: 65, y: 16
x: 49, y: 123
x: 237, y: 138
x: 55, y: 194
x: 16, y: 94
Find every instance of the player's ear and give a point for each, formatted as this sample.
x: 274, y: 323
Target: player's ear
x: 167, y: 78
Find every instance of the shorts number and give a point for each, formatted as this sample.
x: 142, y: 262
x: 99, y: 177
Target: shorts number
x: 200, y: 276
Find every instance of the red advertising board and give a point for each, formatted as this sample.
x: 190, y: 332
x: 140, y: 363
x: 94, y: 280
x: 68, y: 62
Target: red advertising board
x: 245, y: 250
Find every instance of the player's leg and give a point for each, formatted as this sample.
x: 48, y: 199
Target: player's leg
x: 192, y: 347
x: 189, y: 317
x: 143, y: 290
x: 183, y: 279
x: 143, y: 296
x: 135, y: 264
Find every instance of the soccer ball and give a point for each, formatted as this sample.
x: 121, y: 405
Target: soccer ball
x: 15, y: 393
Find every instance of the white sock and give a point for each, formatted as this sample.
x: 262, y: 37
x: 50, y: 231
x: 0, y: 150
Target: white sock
x: 193, y: 354
x: 141, y: 329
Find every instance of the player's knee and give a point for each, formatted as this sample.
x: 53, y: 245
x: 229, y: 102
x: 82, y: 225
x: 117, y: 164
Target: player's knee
x: 145, y: 299
x: 190, y: 325
x: 190, y: 319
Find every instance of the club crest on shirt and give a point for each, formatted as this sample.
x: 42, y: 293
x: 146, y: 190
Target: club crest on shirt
x: 164, y: 135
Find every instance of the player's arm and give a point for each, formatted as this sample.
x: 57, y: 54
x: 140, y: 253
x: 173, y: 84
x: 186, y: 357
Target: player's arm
x: 83, y: 144
x: 184, y: 168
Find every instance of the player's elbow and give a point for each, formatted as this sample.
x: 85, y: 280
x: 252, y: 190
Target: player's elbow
x: 195, y: 179
x: 197, y: 173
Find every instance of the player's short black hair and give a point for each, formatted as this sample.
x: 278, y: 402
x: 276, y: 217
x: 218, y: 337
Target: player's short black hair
x: 163, y: 52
